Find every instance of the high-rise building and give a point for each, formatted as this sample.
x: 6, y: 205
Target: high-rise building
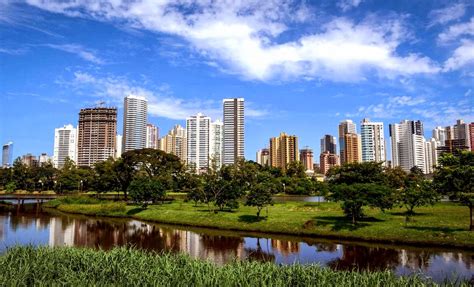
x: 43, y: 159
x: 349, y: 151
x: 29, y: 160
x: 152, y: 136
x: 471, y: 135
x: 429, y: 159
x: 373, y: 141
x: 7, y: 154
x: 434, y: 144
x: 352, y: 150
x: 263, y: 157
x: 216, y: 141
x: 461, y: 132
x: 440, y: 135
x: 328, y: 143
x: 408, y: 145
x: 118, y: 146
x: 327, y: 160
x: 65, y: 145
x: 283, y: 150
x: 96, y: 135
x: 233, y: 130
x: 197, y: 133
x: 306, y: 158
x: 134, y: 123
x: 175, y: 142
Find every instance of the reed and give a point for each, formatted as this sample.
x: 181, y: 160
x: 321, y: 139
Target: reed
x: 45, y: 266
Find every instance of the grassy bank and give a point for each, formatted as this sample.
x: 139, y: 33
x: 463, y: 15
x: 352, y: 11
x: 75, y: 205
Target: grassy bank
x: 27, y: 266
x: 444, y: 224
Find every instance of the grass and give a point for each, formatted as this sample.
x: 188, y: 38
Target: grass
x: 45, y: 266
x: 444, y: 224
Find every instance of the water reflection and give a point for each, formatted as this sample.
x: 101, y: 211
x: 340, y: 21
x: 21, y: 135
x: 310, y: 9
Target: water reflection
x: 32, y: 225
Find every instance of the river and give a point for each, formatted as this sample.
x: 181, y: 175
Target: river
x: 31, y: 224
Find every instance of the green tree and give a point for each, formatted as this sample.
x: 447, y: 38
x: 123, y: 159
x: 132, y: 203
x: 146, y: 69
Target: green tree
x: 395, y: 177
x: 295, y: 169
x: 357, y: 195
x: 20, y: 174
x: 366, y: 172
x: 105, y: 177
x: 259, y: 196
x: 145, y: 190
x: 417, y: 193
x: 5, y: 176
x: 454, y: 177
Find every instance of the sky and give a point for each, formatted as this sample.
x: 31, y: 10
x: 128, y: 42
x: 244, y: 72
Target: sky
x: 302, y: 66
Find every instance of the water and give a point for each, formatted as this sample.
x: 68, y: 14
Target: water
x: 33, y: 225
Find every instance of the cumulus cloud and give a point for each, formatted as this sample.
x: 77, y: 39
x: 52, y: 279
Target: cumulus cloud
x: 461, y: 57
x: 244, y: 37
x: 447, y: 14
x: 161, y: 102
x: 456, y: 31
x: 432, y: 113
x: 77, y: 50
x: 346, y: 5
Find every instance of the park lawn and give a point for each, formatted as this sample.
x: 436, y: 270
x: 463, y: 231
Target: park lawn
x: 444, y: 224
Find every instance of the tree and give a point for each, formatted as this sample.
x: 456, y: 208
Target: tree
x: 357, y: 195
x: 417, y: 193
x: 395, y: 177
x: 295, y: 169
x: 366, y: 172
x: 105, y: 177
x: 259, y: 196
x: 454, y: 177
x: 145, y: 190
x: 20, y: 174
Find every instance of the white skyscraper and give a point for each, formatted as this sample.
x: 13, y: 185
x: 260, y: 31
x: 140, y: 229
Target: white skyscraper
x: 216, y: 140
x: 440, y: 135
x: 197, y: 133
x: 118, y: 146
x: 408, y: 145
x: 7, y: 154
x: 65, y: 145
x: 152, y: 136
x: 373, y: 141
x: 429, y: 159
x: 134, y: 123
x: 233, y: 130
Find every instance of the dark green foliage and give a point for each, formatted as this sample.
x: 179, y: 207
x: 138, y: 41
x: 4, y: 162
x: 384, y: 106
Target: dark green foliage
x: 144, y: 190
x: 416, y: 192
x: 454, y: 177
x: 28, y: 266
x: 260, y: 194
x: 357, y: 195
x: 366, y: 172
x: 105, y: 176
x: 295, y: 169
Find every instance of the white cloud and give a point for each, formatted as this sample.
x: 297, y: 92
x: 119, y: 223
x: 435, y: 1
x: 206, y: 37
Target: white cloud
x: 456, y: 31
x: 346, y: 5
x: 161, y: 102
x: 78, y: 50
x: 242, y: 37
x: 447, y: 14
x: 432, y: 113
x: 461, y: 57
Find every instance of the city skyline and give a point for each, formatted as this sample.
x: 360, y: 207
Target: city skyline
x: 407, y: 63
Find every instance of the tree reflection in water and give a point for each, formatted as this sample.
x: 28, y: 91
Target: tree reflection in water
x: 27, y: 221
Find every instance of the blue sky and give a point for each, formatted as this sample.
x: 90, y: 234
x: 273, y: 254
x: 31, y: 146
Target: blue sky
x: 302, y: 67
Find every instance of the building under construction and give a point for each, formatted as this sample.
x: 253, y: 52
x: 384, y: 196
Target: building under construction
x: 96, y: 135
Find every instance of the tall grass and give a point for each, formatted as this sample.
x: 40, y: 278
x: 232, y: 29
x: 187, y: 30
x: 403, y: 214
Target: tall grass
x: 28, y: 266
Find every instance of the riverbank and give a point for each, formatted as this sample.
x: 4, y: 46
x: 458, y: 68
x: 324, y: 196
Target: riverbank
x: 127, y: 267
x: 444, y: 224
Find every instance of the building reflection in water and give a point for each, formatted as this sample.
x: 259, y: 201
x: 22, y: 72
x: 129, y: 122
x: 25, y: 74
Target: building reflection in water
x: 95, y: 232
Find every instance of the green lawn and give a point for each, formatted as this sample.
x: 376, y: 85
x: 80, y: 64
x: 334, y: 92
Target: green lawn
x: 442, y: 224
